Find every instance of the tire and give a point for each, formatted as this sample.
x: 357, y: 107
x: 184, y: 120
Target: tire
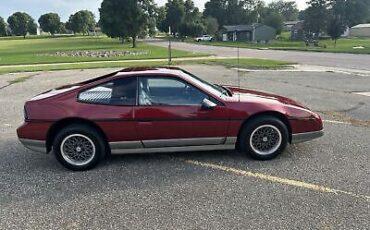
x: 83, y: 155
x: 264, y: 138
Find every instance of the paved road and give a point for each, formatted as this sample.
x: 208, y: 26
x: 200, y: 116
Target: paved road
x: 350, y: 61
x: 213, y: 190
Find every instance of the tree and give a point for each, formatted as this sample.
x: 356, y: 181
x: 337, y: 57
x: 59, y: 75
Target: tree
x: 175, y: 12
x: 217, y: 10
x: 150, y: 13
x: 316, y: 16
x: 357, y: 11
x: 337, y: 22
x: 50, y: 23
x: 183, y: 18
x: 21, y: 23
x: 123, y: 18
x: 62, y: 28
x: 32, y: 27
x: 2, y: 27
x: 336, y: 27
x: 301, y: 15
x: 232, y: 12
x: 275, y: 20
x: 288, y: 10
x: 161, y: 19
x: 82, y: 21
x: 192, y: 24
x: 211, y: 25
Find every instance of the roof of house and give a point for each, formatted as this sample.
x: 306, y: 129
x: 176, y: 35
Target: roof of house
x: 249, y: 27
x: 362, y: 26
x: 292, y: 23
x: 298, y: 26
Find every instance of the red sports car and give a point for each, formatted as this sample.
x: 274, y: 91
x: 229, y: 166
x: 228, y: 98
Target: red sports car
x: 142, y: 110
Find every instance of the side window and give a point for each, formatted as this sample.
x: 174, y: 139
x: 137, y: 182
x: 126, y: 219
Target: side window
x: 168, y: 91
x: 117, y: 92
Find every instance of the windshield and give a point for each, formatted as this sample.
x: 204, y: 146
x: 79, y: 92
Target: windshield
x: 215, y: 89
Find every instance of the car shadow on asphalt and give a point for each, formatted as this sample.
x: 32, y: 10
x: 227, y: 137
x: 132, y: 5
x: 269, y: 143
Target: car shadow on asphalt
x: 20, y: 159
x: 42, y: 173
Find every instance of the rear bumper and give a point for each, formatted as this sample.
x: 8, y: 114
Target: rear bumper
x: 303, y: 137
x: 34, y: 145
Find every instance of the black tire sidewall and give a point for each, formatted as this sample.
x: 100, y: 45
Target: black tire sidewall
x: 86, y: 131
x: 255, y: 123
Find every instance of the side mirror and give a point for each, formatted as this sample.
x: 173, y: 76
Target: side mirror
x: 207, y: 104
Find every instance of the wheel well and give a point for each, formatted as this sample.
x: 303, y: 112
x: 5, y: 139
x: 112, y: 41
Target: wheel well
x: 277, y: 115
x: 57, y: 126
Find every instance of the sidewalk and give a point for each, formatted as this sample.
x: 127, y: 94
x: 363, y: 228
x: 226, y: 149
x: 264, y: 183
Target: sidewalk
x: 115, y: 61
x: 315, y: 68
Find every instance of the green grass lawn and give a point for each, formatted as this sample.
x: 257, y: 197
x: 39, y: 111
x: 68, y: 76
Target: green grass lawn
x: 344, y: 45
x: 37, y: 50
x: 247, y: 63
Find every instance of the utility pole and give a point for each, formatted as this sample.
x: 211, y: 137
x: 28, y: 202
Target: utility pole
x: 169, y: 46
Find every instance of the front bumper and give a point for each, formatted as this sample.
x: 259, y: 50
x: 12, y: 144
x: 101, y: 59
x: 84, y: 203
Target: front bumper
x: 307, y: 136
x: 35, y: 145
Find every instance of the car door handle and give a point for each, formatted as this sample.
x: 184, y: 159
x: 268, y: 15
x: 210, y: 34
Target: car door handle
x: 146, y: 122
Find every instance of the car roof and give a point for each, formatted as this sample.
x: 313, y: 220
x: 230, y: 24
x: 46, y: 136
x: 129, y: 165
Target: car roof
x: 150, y: 70
x: 155, y: 71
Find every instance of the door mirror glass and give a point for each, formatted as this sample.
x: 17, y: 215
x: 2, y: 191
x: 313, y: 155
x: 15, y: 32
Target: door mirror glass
x: 207, y: 104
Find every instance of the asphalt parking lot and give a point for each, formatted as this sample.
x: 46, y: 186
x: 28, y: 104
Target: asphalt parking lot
x: 323, y: 184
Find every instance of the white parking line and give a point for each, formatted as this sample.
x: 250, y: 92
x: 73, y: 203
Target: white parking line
x: 336, y: 122
x: 367, y: 94
x: 280, y: 180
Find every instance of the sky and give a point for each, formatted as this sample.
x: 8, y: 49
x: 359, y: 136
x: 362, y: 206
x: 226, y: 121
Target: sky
x: 66, y: 7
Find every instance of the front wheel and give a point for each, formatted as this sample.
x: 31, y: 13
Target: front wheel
x: 264, y: 138
x: 78, y: 147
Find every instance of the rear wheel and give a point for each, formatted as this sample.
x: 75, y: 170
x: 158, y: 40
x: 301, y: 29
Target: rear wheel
x: 264, y: 138
x: 78, y: 147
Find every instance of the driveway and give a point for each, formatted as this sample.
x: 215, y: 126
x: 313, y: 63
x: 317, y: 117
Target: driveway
x: 349, y: 61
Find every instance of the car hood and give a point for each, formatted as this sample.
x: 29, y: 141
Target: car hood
x: 248, y: 95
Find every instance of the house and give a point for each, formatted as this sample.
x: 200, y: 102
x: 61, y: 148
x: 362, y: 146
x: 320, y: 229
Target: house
x: 250, y: 33
x: 361, y: 30
x: 288, y: 25
x: 296, y: 31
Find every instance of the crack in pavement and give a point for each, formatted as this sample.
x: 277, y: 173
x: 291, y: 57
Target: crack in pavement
x: 18, y: 80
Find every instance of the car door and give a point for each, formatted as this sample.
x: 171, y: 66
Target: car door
x: 170, y: 114
x: 110, y: 105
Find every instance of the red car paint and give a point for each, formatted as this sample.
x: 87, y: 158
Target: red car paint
x: 129, y: 123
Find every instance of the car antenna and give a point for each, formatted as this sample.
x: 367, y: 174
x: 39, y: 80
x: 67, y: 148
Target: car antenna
x: 238, y: 62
